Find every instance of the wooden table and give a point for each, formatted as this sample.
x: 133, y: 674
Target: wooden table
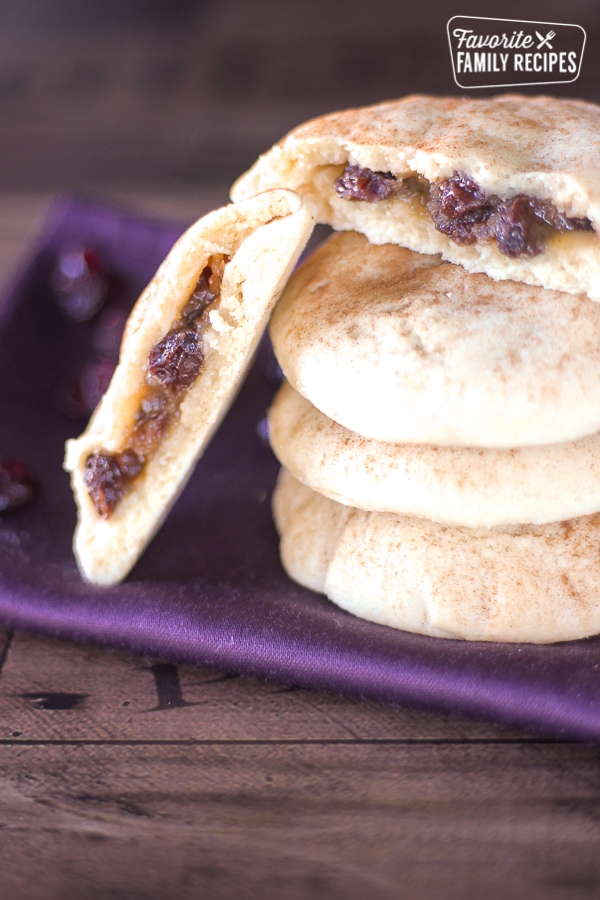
x: 133, y: 778
x: 130, y: 778
x: 126, y: 777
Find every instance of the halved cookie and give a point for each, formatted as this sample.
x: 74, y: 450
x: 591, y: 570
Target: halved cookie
x: 454, y: 485
x: 532, y: 583
x: 185, y: 349
x: 507, y: 185
x: 399, y: 346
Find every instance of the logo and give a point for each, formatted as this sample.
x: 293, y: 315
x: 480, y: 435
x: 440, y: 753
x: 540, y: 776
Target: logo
x: 510, y: 53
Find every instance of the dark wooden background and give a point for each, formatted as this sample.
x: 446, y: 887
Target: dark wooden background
x: 131, y: 778
x: 190, y: 91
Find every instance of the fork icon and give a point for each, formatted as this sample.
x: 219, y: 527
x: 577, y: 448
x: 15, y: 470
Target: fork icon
x: 545, y: 41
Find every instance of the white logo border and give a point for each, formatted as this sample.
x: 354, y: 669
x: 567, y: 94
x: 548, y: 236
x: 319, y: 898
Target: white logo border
x: 476, y: 87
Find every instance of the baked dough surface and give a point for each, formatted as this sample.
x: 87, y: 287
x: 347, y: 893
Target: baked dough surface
x: 529, y: 583
x: 544, y: 147
x: 402, y: 347
x: 263, y: 237
x: 454, y: 485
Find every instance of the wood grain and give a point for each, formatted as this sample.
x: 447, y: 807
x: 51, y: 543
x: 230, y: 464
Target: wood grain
x: 113, y: 784
x: 193, y: 91
x: 299, y: 821
x: 55, y: 691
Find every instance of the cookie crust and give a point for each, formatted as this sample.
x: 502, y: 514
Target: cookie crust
x: 543, y: 147
x: 453, y: 485
x: 262, y: 239
x: 524, y: 583
x: 402, y: 347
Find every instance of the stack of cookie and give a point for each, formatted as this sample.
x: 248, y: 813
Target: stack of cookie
x: 439, y: 424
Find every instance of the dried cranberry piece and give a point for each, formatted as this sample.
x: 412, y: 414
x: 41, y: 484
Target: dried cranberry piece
x: 176, y: 360
x: 356, y: 183
x: 95, y: 380
x: 104, y: 482
x: 79, y: 283
x: 84, y: 394
x: 516, y: 228
x: 17, y: 486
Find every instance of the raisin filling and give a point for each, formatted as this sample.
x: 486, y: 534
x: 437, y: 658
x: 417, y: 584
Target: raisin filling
x: 174, y: 363
x: 363, y: 184
x: 462, y: 210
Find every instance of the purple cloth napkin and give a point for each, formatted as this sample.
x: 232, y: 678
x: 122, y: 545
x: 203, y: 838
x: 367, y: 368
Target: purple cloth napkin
x: 210, y: 589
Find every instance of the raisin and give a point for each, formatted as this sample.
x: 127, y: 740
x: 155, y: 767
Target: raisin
x: 176, y: 360
x: 130, y: 464
x: 574, y: 223
x: 151, y: 422
x: 517, y: 230
x: 548, y: 213
x: 208, y: 288
x: 17, y: 486
x: 461, y: 209
x: 153, y: 405
x: 201, y: 299
x: 457, y: 206
x: 174, y: 363
x: 148, y: 434
x: 460, y: 195
x: 104, y: 481
x: 356, y: 183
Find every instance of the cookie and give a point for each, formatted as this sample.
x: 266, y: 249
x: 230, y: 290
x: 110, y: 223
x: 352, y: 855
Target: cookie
x: 506, y: 185
x: 398, y: 346
x: 530, y: 583
x: 453, y: 485
x: 186, y: 347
